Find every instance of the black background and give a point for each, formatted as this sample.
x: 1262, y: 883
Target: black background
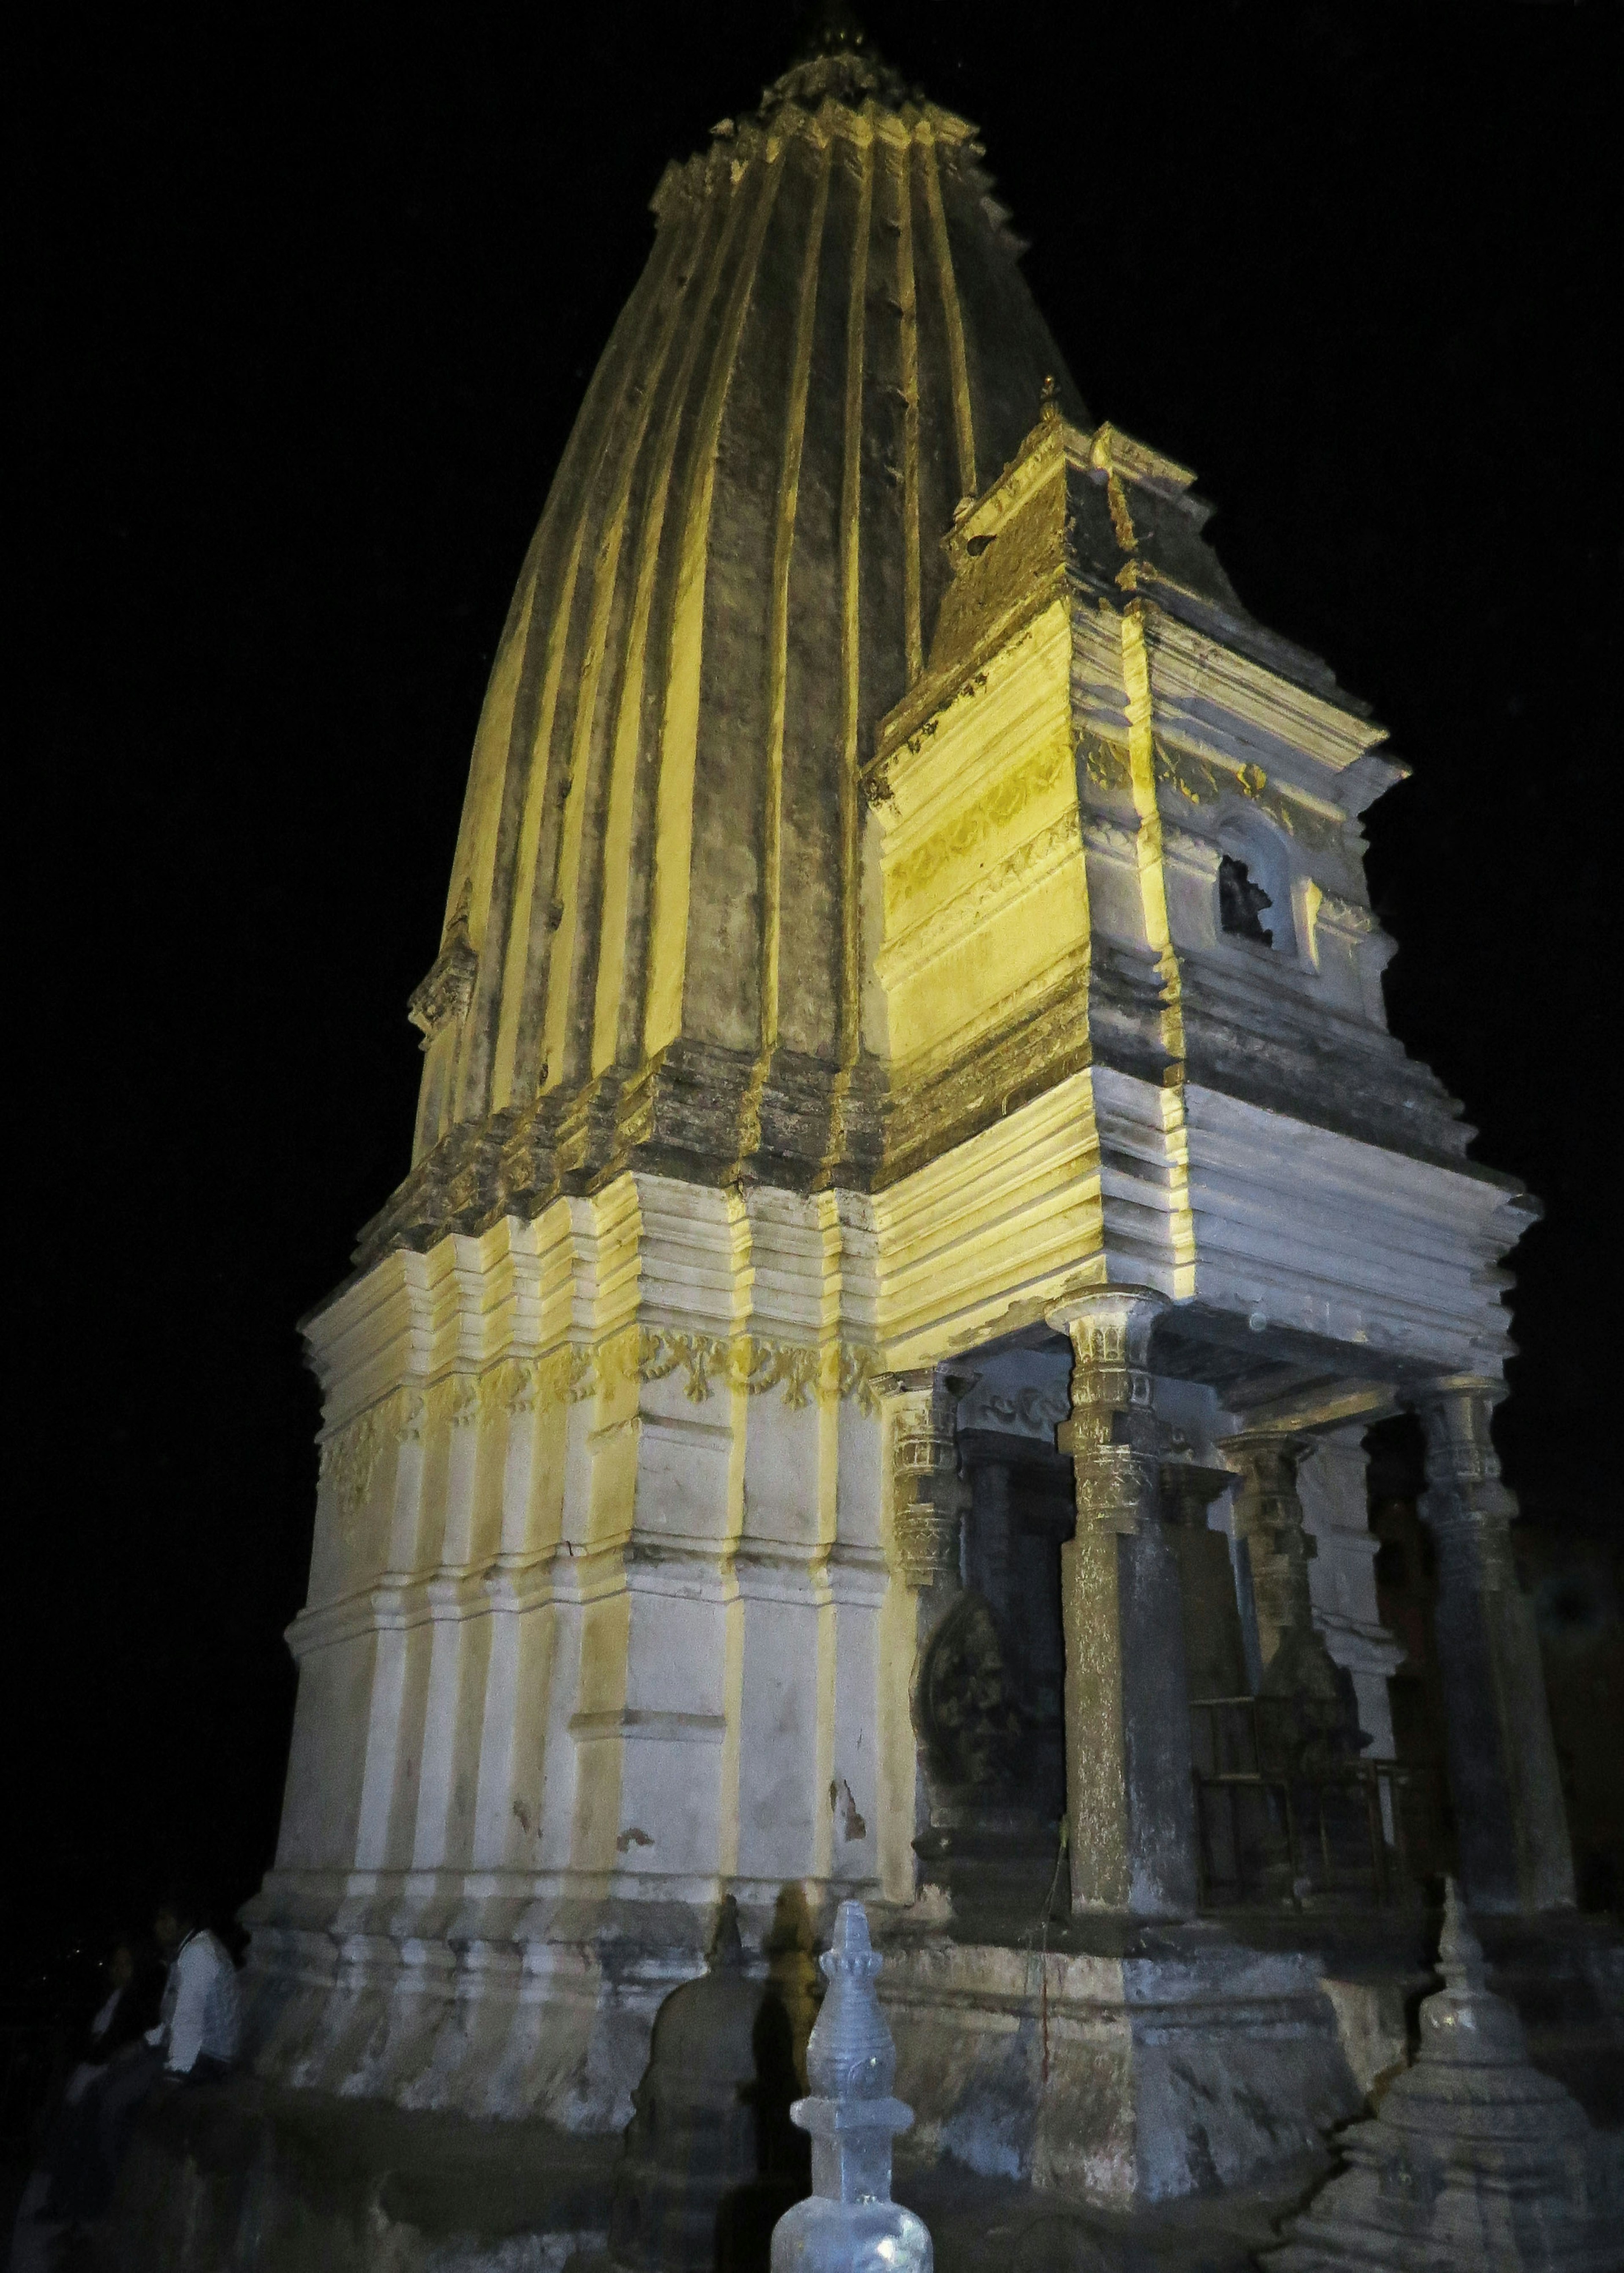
x: 306, y: 308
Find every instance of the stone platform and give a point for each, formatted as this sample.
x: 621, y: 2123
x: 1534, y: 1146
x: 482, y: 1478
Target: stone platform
x: 263, y: 2181
x: 1180, y: 2062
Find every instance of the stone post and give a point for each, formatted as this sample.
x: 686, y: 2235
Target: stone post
x: 928, y: 1498
x: 1509, y: 1819
x: 1130, y: 1786
x: 929, y: 1495
x: 1269, y: 1517
x: 1297, y: 1667
x: 1214, y: 1656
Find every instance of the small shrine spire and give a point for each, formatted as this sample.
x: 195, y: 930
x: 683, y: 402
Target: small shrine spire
x: 849, y: 2218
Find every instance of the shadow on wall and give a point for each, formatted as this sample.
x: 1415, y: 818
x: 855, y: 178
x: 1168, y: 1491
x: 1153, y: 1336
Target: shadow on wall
x: 711, y: 2160
x: 1577, y: 1586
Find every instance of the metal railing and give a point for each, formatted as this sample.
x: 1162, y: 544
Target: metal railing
x: 1273, y: 1828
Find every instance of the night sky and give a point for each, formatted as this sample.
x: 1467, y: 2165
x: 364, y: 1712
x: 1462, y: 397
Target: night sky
x: 305, y: 318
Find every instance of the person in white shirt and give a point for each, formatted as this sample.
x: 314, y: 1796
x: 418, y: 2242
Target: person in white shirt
x: 198, y: 2021
x: 195, y: 2041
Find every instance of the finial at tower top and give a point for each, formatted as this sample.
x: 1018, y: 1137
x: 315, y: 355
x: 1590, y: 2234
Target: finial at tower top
x: 1460, y: 1953
x: 835, y: 56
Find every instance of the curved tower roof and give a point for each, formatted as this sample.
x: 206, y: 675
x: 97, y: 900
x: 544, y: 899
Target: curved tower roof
x: 652, y: 939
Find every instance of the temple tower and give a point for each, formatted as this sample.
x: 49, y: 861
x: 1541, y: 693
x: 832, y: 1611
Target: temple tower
x: 908, y: 1135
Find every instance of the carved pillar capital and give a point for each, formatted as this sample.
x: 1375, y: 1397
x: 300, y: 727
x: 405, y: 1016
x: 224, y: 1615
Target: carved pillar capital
x: 1465, y: 1506
x: 1188, y: 1491
x: 1111, y: 1434
x: 929, y: 1496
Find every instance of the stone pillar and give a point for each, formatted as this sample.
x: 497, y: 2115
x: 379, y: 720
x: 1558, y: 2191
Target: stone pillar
x: 929, y: 1495
x: 1509, y: 1819
x: 928, y: 1502
x: 1215, y: 1657
x: 1297, y: 1667
x: 988, y: 1545
x: 1334, y: 1490
x: 1130, y: 1787
x: 1269, y: 1517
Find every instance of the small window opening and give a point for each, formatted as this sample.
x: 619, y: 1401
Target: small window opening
x: 1241, y: 903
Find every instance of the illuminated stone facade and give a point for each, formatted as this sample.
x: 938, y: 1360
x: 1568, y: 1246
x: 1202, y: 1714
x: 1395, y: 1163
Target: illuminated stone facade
x: 908, y: 989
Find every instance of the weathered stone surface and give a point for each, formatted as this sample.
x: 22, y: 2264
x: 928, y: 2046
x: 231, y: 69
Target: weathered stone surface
x: 1128, y: 1754
x: 1474, y: 2160
x: 1185, y: 2064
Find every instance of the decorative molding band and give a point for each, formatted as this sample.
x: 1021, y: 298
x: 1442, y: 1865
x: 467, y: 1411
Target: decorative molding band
x: 806, y: 1372
x: 1345, y: 915
x: 941, y: 928
x: 1106, y: 764
x: 1208, y: 781
x: 915, y: 871
x: 651, y: 1726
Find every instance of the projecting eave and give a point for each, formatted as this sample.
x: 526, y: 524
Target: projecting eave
x: 1206, y: 693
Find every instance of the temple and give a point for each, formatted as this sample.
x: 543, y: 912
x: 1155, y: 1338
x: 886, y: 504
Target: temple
x: 914, y: 1208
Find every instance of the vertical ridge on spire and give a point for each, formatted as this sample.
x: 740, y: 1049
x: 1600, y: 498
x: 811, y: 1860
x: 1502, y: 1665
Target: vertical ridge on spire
x: 736, y: 578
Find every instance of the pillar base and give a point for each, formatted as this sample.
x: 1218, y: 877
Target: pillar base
x: 1185, y: 2064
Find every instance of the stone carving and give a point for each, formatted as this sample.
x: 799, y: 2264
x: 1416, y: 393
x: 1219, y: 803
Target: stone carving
x: 1036, y: 1411
x: 699, y: 1356
x: 794, y: 1366
x: 449, y: 988
x: 1347, y: 915
x: 1468, y: 1509
x: 1318, y: 1724
x: 857, y: 1375
x: 1114, y: 1470
x: 940, y: 927
x: 1110, y: 837
x: 1205, y: 780
x: 1474, y: 2158
x: 1503, y: 1777
x: 851, y: 2220
x: 1013, y: 790
x: 1108, y: 764
x: 349, y: 1458
x: 967, y: 1717
x: 929, y: 1497
x: 1129, y: 1782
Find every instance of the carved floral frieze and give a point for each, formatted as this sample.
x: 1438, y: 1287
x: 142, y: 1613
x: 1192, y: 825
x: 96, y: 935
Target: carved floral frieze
x: 804, y: 1373
x: 968, y: 830
x: 1206, y: 781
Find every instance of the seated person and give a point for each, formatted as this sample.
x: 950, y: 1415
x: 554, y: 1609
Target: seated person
x: 133, y: 1979
x: 200, y: 2019
x: 194, y: 2040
